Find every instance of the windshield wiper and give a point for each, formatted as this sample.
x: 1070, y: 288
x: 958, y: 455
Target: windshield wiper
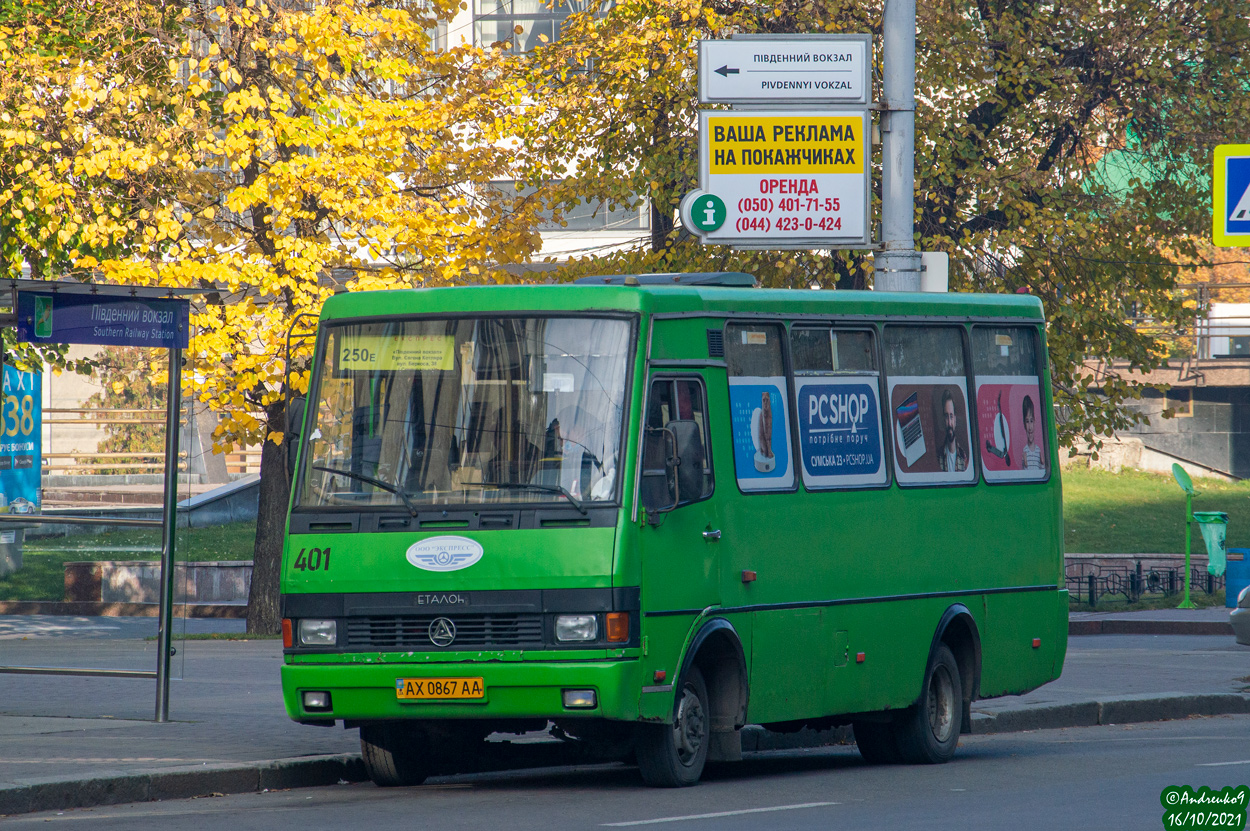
x: 386, y: 486
x: 534, y: 486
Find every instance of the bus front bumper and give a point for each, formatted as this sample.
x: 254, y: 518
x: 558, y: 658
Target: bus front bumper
x: 529, y: 689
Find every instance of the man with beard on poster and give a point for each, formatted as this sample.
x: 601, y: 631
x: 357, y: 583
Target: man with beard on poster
x: 952, y: 457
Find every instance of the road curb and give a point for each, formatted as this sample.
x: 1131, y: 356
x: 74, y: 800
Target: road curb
x: 1129, y: 710
x: 203, y: 780
x: 1119, y: 626
x: 179, y: 783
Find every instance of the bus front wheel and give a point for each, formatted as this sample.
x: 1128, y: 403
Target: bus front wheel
x: 394, y: 754
x: 928, y: 732
x: 673, y: 755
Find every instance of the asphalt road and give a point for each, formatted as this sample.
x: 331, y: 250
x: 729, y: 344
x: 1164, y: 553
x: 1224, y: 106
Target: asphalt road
x: 1097, y: 777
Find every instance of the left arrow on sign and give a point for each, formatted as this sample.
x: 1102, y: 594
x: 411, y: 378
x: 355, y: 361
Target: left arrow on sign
x: 725, y: 71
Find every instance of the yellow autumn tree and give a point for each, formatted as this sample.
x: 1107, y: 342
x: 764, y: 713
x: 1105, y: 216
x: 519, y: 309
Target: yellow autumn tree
x: 289, y: 151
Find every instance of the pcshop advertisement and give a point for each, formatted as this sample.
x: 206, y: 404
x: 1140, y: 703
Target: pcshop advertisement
x: 782, y: 179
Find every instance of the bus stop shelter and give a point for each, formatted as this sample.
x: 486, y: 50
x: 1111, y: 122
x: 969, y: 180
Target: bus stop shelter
x: 71, y: 312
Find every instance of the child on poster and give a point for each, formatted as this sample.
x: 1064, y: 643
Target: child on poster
x: 1032, y: 452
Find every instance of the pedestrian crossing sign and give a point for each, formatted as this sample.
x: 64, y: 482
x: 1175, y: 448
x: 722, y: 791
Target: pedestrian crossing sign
x: 1230, y: 196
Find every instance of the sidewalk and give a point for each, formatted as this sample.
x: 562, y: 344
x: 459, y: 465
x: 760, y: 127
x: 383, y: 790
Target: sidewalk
x: 72, y: 741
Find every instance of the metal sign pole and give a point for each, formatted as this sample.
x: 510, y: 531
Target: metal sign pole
x: 1186, y: 603
x: 898, y: 264
x: 1187, y: 485
x: 168, y: 529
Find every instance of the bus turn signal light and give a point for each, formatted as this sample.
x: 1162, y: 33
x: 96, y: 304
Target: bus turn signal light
x: 748, y: 576
x: 618, y: 627
x: 288, y: 638
x: 1037, y: 642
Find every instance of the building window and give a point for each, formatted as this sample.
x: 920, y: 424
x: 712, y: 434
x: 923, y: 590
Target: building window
x: 1180, y: 401
x: 526, y: 24
x: 587, y: 215
x: 438, y: 36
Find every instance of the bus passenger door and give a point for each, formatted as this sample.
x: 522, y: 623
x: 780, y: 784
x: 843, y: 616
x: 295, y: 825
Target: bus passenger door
x: 680, y: 564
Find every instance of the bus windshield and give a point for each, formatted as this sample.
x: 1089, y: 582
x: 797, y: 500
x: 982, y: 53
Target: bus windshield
x: 468, y: 411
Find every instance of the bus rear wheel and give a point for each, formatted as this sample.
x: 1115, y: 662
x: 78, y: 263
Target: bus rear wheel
x: 394, y: 754
x: 928, y: 732
x: 673, y: 755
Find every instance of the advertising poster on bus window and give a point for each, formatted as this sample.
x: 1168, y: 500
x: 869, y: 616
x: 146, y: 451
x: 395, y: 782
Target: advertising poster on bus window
x: 1014, y: 436
x: 21, y: 434
x: 932, y: 435
x: 840, y: 432
x: 757, y: 412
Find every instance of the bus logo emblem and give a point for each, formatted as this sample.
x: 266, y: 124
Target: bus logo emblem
x: 442, y: 632
x: 444, y: 553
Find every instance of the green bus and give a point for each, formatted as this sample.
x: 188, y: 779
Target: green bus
x: 645, y: 511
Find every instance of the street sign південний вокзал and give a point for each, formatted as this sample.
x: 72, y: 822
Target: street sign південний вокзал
x: 781, y: 179
x: 105, y: 320
x: 778, y: 70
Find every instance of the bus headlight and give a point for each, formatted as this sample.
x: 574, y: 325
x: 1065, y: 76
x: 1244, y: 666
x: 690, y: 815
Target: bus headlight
x: 318, y: 632
x: 577, y: 628
x: 579, y: 699
x: 316, y: 700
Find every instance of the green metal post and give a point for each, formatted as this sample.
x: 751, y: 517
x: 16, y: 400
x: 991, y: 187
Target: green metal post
x: 1189, y: 518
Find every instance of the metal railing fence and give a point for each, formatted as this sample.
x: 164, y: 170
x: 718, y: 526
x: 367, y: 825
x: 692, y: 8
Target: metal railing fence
x: 1092, y: 581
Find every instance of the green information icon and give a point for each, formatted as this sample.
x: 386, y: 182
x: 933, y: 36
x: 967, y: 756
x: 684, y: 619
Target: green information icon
x: 708, y: 212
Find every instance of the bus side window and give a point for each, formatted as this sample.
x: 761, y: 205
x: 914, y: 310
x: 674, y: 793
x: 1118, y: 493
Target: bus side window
x: 759, y: 405
x: 690, y: 426
x: 837, y: 402
x: 1010, y: 413
x: 676, y: 415
x: 929, y: 408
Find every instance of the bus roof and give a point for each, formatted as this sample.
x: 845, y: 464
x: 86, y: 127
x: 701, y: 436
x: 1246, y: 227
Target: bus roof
x: 670, y: 298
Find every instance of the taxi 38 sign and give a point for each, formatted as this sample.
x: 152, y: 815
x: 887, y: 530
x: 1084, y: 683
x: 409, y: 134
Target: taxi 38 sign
x: 781, y: 179
x: 20, y: 441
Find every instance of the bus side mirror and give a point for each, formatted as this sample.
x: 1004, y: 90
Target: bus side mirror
x: 660, y: 489
x: 294, y: 425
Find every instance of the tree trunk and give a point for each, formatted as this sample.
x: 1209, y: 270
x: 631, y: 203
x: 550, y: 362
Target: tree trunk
x: 661, y: 224
x: 263, y: 616
x: 850, y: 277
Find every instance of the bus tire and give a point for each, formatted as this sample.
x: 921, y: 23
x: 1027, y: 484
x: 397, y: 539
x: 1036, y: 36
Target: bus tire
x: 394, y: 754
x: 673, y: 755
x: 876, y: 742
x: 928, y: 732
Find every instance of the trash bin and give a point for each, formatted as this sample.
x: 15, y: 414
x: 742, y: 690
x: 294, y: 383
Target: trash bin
x: 1237, y: 577
x: 11, y: 549
x: 1213, y: 525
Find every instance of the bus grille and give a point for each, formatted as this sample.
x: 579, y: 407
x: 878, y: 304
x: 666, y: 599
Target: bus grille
x: 472, y: 631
